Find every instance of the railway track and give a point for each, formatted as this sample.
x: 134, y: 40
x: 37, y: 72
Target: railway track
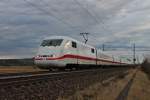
x: 64, y: 83
x: 10, y: 78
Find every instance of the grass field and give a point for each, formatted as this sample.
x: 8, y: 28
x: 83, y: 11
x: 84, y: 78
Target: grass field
x: 18, y: 69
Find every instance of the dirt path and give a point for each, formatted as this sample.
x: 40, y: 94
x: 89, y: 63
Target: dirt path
x: 140, y: 90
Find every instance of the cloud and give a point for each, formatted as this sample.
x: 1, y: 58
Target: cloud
x: 117, y: 22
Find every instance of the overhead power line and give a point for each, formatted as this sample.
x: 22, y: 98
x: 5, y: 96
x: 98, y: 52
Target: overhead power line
x: 60, y: 19
x: 48, y: 13
x: 93, y: 16
x: 85, y: 9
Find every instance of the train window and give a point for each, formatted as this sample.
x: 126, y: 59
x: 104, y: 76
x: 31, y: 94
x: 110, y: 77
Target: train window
x: 52, y: 42
x: 92, y: 50
x: 74, y: 44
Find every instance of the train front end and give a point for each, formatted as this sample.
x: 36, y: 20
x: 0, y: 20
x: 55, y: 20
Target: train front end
x: 49, y: 54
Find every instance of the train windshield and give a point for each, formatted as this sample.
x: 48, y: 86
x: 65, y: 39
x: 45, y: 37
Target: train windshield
x: 52, y: 42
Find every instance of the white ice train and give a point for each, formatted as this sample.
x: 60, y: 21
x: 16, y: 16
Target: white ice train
x: 62, y: 51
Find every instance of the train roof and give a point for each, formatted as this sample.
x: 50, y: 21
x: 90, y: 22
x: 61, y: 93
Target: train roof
x: 69, y: 38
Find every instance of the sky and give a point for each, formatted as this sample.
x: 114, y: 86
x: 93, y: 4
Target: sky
x: 24, y: 23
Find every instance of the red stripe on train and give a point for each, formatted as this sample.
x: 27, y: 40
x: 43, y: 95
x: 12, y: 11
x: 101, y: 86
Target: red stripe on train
x: 75, y: 56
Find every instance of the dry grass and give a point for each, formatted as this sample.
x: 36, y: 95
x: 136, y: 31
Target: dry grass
x: 18, y: 69
x: 99, y: 91
x: 141, y: 88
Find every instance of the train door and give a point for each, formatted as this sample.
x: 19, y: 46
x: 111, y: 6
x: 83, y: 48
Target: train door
x: 75, y: 52
x: 93, y: 54
x: 96, y: 55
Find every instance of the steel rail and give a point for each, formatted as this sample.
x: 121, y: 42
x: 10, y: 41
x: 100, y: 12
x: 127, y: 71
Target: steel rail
x: 22, y: 79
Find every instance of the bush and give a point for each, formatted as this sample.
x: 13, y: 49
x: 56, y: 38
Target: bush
x: 16, y: 62
x: 146, y: 66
